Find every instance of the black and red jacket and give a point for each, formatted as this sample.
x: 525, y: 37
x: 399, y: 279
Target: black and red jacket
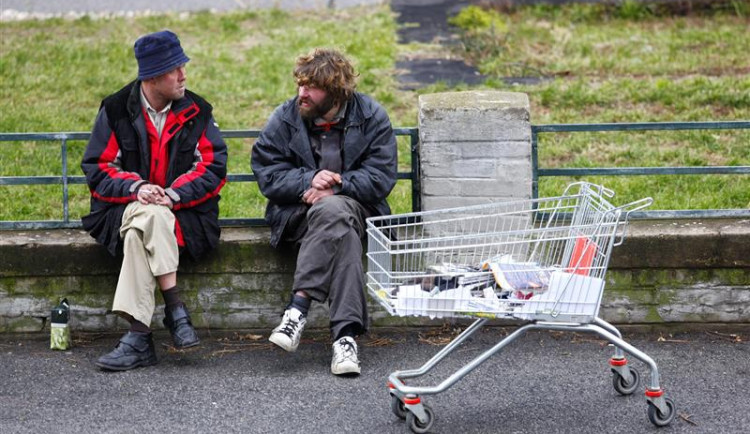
x: 189, y: 162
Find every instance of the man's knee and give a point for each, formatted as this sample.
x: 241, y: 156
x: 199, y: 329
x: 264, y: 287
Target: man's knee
x: 158, y: 211
x: 155, y: 216
x: 142, y: 222
x: 329, y: 208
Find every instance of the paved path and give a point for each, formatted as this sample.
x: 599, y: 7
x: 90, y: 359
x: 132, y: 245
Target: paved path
x: 20, y: 9
x: 544, y: 383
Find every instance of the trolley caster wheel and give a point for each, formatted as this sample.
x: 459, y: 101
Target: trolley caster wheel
x: 420, y: 427
x: 398, y: 408
x: 626, y: 386
x: 657, y: 417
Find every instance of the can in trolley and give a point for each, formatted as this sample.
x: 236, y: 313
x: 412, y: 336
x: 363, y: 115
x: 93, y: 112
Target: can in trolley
x: 539, y: 260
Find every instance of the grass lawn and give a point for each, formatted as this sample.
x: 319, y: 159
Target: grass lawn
x: 56, y: 72
x: 601, y: 67
x: 596, y: 68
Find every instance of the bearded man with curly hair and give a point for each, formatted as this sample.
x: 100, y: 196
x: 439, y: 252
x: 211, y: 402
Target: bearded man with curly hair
x: 326, y: 161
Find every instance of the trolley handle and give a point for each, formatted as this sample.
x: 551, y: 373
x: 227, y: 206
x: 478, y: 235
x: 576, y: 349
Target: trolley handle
x: 600, y: 190
x: 627, y: 209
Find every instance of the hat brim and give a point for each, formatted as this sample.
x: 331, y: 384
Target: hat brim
x: 163, y: 68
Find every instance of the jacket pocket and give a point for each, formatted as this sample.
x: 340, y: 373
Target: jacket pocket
x: 130, y: 158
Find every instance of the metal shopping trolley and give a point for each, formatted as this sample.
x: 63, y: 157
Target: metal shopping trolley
x: 541, y: 260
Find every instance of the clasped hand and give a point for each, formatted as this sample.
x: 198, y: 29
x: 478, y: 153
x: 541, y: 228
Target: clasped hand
x: 153, y: 194
x: 321, y: 186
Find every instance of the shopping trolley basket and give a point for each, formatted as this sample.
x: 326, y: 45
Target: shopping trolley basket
x: 541, y: 260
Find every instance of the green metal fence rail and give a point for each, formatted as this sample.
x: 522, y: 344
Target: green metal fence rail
x: 538, y: 172
x: 413, y: 133
x: 65, y: 179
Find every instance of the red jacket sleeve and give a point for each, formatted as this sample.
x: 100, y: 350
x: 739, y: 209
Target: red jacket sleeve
x: 208, y: 174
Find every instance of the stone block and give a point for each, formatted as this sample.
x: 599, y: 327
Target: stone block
x: 435, y: 167
x: 509, y: 150
x: 474, y: 116
x: 468, y: 127
x: 478, y: 140
x: 442, y: 202
x: 478, y: 150
x: 468, y: 188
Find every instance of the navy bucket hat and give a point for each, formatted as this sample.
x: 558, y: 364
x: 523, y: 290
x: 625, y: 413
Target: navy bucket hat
x: 158, y: 53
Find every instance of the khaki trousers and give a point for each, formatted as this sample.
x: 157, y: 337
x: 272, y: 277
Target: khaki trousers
x: 150, y: 249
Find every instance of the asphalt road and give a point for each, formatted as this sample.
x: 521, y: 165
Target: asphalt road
x: 547, y: 382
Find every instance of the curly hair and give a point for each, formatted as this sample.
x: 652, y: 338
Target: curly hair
x: 328, y: 70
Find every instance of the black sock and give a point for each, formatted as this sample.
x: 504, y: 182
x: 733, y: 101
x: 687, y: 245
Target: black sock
x: 171, y: 296
x: 300, y: 303
x: 351, y: 330
x: 137, y: 326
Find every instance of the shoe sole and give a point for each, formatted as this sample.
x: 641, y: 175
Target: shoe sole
x: 172, y: 347
x: 190, y: 345
x: 141, y: 364
x: 283, y: 345
x: 350, y: 371
x: 346, y: 373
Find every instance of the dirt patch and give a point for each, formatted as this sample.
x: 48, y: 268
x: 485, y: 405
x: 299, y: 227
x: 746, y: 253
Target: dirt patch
x: 426, y: 22
x: 418, y: 72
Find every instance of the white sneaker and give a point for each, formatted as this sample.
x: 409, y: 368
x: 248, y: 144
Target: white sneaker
x: 345, y: 359
x: 287, y: 334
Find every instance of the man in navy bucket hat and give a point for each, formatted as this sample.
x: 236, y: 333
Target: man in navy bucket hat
x: 155, y: 165
x: 158, y: 53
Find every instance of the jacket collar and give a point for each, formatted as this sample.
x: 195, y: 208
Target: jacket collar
x: 178, y: 106
x: 357, y: 113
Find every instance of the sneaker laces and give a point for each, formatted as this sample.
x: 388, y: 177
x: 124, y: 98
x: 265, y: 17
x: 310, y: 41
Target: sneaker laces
x: 289, y: 327
x: 346, y: 350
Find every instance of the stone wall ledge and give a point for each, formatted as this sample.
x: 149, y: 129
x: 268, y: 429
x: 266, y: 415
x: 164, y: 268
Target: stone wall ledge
x: 685, y: 243
x: 698, y: 243
x: 666, y: 272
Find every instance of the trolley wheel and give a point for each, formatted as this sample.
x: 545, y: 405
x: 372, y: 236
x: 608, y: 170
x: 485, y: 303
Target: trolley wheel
x: 626, y: 386
x: 657, y: 417
x: 417, y: 426
x: 398, y: 408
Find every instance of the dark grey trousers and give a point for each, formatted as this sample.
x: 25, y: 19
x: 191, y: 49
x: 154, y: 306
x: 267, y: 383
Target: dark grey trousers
x: 329, y: 261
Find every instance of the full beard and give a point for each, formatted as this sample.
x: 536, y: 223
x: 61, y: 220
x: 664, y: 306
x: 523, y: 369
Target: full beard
x: 314, y: 111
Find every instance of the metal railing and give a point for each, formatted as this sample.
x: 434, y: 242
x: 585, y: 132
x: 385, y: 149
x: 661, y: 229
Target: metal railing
x: 65, y: 179
x: 413, y: 133
x: 538, y: 172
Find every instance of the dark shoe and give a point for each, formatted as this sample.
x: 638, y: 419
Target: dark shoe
x: 134, y: 349
x: 178, y: 322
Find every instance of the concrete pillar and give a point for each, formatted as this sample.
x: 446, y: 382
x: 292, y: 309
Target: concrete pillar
x: 475, y: 147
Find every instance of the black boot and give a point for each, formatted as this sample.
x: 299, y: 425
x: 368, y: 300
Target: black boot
x: 134, y: 349
x: 177, y: 320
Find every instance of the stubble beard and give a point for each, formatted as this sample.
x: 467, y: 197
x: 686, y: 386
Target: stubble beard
x: 179, y: 92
